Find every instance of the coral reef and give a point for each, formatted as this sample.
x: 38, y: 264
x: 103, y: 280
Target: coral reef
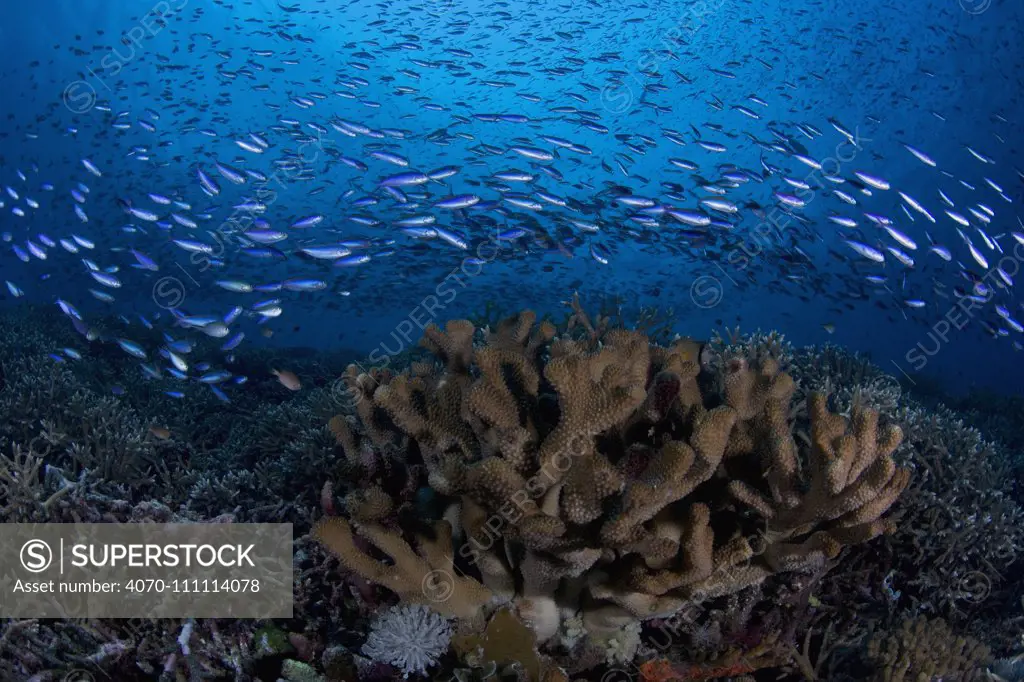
x: 595, y: 473
x: 70, y: 451
x: 575, y: 500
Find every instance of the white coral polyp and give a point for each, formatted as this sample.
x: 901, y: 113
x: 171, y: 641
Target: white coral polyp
x: 411, y: 638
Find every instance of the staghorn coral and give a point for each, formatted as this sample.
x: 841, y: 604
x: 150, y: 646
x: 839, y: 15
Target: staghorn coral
x: 962, y: 532
x: 847, y: 378
x: 49, y: 409
x: 69, y: 453
x: 924, y: 650
x: 734, y: 344
x: 596, y: 473
x: 23, y: 493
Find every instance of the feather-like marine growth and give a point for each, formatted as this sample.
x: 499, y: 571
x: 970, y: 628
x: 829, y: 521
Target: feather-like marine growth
x: 411, y: 638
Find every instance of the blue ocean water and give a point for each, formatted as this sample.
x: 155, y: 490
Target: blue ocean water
x: 792, y: 101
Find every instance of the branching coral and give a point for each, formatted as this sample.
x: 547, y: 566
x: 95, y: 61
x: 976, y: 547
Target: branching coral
x: 597, y: 472
x: 925, y: 649
x: 848, y: 378
x: 960, y: 533
x: 963, y: 534
x: 23, y: 493
x: 419, y: 578
x: 49, y: 410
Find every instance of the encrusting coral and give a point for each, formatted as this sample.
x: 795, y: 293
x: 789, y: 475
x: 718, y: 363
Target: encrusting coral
x: 597, y: 473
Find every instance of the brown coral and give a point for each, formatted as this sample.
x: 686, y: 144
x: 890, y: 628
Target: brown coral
x: 923, y: 650
x: 505, y: 641
x: 591, y: 472
x: 852, y: 481
x: 427, y: 577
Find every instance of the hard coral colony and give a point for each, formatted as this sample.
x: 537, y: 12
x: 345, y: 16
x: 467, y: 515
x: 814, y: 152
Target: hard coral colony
x: 591, y: 475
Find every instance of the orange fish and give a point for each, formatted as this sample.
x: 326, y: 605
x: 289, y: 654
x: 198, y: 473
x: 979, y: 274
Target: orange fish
x: 160, y: 432
x: 287, y: 379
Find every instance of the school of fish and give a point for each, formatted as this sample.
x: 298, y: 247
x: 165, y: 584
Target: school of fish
x: 404, y: 152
